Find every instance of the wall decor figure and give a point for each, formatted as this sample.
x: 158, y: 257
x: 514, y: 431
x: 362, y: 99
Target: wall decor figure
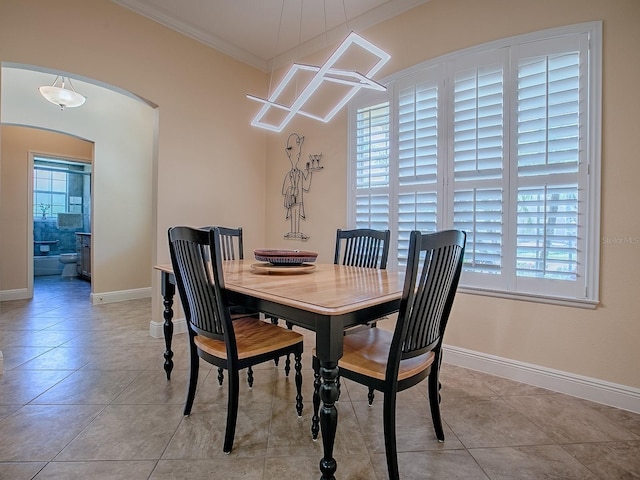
x: 296, y: 183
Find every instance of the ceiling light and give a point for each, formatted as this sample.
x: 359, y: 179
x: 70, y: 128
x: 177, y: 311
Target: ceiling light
x: 351, y: 79
x: 61, y: 96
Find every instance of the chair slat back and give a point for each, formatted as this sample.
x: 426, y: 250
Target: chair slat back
x: 434, y: 264
x: 231, y: 244
x: 199, y: 279
x: 362, y: 247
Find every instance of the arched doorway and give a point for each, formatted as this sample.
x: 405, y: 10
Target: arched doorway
x: 122, y: 130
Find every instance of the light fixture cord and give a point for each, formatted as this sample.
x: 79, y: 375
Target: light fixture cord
x: 299, y: 38
x: 273, y: 62
x: 300, y: 25
x: 326, y: 36
x: 70, y: 84
x: 346, y: 19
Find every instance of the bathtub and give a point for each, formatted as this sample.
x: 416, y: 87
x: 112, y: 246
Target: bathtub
x: 47, y: 265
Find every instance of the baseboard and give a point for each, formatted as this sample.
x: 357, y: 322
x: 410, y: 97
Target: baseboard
x: 18, y: 294
x: 96, y: 298
x: 120, y: 296
x: 599, y: 391
x: 156, y: 329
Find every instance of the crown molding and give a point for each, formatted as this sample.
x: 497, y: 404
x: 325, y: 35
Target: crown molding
x: 199, y: 35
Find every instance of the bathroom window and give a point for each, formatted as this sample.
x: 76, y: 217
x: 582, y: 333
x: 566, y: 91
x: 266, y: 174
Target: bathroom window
x: 49, y: 193
x: 58, y: 187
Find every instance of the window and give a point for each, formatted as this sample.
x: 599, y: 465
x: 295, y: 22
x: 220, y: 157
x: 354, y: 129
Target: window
x: 501, y: 141
x: 50, y: 192
x: 59, y: 187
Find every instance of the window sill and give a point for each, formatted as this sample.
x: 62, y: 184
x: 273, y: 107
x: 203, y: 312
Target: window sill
x: 565, y: 302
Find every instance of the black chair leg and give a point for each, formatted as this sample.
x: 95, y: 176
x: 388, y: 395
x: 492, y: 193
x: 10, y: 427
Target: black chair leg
x: 389, y: 422
x: 274, y: 321
x: 315, y: 419
x: 371, y: 396
x: 434, y: 402
x: 288, y: 362
x: 250, y: 377
x: 193, y: 379
x: 298, y: 377
x: 232, y: 411
x: 287, y: 366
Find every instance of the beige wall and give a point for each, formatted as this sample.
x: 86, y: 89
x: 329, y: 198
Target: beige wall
x: 18, y: 143
x: 210, y: 164
x: 600, y: 343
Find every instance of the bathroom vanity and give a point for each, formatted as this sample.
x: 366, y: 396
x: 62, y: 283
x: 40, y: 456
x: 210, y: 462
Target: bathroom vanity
x: 83, y: 246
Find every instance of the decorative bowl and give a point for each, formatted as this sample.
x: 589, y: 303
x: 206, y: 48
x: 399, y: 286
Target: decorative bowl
x: 285, y: 257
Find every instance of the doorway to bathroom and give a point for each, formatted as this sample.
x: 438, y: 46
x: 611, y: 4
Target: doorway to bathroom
x: 61, y: 217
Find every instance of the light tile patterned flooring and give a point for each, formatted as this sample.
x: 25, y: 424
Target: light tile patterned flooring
x: 84, y: 396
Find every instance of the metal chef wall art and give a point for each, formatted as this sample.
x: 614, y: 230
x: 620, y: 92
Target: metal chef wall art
x: 296, y: 183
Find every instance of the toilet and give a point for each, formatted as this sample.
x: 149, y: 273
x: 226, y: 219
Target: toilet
x: 69, y: 260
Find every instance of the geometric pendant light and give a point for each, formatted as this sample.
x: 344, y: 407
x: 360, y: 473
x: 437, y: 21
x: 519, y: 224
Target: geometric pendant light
x: 331, y: 72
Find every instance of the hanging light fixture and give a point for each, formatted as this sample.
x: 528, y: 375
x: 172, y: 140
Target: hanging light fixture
x: 60, y: 95
x: 354, y: 81
x: 276, y: 111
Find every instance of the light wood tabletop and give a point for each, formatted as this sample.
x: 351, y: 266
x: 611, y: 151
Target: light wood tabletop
x: 327, y: 289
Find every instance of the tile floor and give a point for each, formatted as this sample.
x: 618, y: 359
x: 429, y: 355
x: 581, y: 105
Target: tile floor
x: 84, y: 396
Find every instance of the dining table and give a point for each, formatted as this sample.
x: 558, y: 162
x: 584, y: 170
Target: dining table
x: 324, y: 298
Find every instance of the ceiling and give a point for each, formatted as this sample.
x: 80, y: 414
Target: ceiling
x: 268, y: 33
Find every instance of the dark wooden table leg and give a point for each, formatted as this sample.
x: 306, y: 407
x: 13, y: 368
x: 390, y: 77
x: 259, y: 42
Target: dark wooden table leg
x: 328, y: 417
x: 168, y: 292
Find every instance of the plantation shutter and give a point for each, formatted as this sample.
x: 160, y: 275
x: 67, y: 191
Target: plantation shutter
x: 372, y: 145
x: 478, y: 152
x: 417, y: 151
x: 549, y: 145
x: 502, y: 142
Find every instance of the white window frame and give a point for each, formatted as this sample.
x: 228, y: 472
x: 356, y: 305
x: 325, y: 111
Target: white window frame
x: 584, y: 292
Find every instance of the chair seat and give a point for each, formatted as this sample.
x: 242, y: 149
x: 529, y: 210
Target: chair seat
x: 253, y: 337
x: 366, y: 352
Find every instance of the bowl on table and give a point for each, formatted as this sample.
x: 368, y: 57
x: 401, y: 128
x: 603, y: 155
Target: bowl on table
x: 285, y: 257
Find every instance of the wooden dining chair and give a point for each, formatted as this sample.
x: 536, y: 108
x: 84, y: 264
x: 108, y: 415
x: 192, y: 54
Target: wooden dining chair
x: 231, y: 242
x: 391, y: 362
x: 362, y: 247
x: 232, y: 248
x: 196, y: 257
